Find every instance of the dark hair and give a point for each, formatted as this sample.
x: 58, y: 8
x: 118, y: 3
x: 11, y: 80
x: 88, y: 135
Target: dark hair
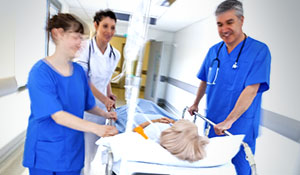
x: 104, y: 13
x: 230, y: 5
x: 65, y: 21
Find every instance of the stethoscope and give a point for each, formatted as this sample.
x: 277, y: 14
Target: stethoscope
x: 234, y: 66
x: 91, y: 47
x: 110, y: 53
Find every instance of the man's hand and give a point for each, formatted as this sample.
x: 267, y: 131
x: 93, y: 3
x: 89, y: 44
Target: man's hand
x: 192, y: 109
x: 220, y: 128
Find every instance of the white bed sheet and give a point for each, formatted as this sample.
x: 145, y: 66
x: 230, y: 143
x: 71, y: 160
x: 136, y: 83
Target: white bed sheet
x: 146, y: 167
x: 147, y: 156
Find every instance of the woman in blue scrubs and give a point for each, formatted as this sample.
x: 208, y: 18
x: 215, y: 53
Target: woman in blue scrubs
x: 59, y: 95
x: 234, y: 75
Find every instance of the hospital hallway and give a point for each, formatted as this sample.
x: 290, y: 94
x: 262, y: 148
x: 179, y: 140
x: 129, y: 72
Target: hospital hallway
x: 13, y: 164
x: 177, y: 48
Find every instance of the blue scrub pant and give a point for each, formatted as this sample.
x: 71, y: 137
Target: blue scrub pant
x: 35, y: 171
x: 241, y: 165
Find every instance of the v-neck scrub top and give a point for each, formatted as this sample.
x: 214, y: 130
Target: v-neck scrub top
x: 48, y: 145
x: 253, y: 67
x: 102, y: 66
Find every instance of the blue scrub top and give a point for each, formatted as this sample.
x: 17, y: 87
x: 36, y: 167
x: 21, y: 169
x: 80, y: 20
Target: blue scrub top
x: 253, y: 67
x: 48, y: 145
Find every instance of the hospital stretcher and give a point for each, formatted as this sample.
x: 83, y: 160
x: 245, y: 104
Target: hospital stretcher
x: 144, y: 166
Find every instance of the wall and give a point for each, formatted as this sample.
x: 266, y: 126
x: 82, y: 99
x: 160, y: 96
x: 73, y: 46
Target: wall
x: 280, y: 26
x: 30, y: 37
x: 7, y: 17
x: 277, y: 24
x: 190, y: 47
x: 22, y: 45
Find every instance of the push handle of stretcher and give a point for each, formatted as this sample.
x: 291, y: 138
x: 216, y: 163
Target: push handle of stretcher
x: 247, y: 149
x: 111, y: 122
x: 210, y: 122
x: 110, y: 157
x: 204, y: 118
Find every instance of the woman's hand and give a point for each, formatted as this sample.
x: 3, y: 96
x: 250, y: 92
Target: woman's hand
x: 111, y: 115
x: 109, y: 103
x: 105, y: 131
x: 112, y: 97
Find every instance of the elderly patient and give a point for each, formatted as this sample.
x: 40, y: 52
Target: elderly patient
x: 181, y: 139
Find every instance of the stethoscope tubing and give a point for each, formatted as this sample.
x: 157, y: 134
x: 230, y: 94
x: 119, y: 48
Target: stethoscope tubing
x: 234, y: 66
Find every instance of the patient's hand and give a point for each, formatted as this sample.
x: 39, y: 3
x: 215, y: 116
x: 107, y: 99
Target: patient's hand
x: 164, y: 120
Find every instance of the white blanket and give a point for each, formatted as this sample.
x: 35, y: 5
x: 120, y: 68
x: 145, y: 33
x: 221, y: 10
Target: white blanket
x: 135, y: 148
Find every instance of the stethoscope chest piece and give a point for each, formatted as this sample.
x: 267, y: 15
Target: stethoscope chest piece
x: 213, y: 77
x: 234, y: 66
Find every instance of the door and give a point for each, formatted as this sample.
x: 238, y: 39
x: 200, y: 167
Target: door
x: 153, y: 71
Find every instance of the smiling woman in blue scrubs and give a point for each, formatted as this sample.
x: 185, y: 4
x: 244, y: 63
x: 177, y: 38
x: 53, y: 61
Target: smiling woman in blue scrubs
x: 234, y: 75
x: 59, y: 95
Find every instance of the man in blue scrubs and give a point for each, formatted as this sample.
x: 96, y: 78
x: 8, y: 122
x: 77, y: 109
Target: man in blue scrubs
x: 234, y: 75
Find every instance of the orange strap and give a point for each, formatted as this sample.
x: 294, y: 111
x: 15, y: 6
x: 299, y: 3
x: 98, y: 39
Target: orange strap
x: 140, y: 130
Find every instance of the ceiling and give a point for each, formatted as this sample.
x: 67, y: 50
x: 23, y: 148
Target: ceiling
x: 171, y: 18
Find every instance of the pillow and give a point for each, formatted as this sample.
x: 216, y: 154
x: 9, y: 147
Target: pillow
x: 134, y: 147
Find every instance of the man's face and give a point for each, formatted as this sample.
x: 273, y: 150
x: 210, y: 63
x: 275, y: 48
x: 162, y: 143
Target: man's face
x: 230, y: 27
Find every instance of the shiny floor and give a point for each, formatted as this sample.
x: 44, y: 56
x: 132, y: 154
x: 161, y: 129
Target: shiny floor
x: 13, y: 164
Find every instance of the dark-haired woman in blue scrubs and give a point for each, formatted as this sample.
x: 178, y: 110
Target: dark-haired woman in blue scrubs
x: 59, y: 95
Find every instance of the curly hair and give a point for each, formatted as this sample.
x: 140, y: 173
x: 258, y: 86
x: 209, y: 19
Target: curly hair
x: 182, y: 140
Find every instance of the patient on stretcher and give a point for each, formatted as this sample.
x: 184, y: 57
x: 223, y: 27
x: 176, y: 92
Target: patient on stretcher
x: 181, y: 139
x: 172, y: 143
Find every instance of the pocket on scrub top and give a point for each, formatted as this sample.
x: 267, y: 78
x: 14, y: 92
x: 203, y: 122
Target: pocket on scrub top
x: 230, y: 75
x: 48, y: 153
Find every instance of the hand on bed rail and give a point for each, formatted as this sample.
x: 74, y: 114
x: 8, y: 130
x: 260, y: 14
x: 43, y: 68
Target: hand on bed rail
x: 193, y: 109
x: 111, y: 115
x: 105, y: 131
x: 110, y: 121
x: 109, y: 104
x: 220, y: 128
